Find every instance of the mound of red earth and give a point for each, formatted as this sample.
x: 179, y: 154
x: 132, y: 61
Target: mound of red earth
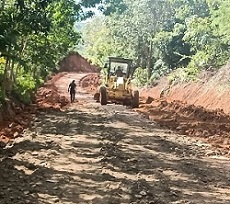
x: 213, y: 126
x: 47, y: 96
x: 90, y: 82
x: 74, y: 62
x: 19, y: 117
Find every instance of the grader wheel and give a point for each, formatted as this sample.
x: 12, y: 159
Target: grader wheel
x: 96, y: 97
x: 135, y: 99
x: 103, y: 96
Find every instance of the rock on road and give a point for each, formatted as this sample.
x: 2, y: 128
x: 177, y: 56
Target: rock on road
x: 92, y: 154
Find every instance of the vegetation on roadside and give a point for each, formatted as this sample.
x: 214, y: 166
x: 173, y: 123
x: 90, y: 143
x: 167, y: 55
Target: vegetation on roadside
x: 162, y: 36
x: 34, y: 36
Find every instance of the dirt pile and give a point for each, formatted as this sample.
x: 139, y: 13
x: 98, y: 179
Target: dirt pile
x: 90, y: 82
x: 47, y: 96
x: 74, y: 62
x: 212, y: 126
x: 20, y: 116
x: 13, y: 127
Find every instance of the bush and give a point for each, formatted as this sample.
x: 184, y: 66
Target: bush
x: 183, y: 75
x: 24, y: 88
x: 140, y: 77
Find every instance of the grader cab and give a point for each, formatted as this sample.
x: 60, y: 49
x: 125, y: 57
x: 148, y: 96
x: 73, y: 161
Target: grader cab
x: 118, y: 87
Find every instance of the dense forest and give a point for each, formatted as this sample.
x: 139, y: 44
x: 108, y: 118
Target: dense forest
x: 180, y: 37
x: 161, y: 36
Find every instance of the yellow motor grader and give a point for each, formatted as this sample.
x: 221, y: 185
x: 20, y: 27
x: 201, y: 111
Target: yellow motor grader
x: 118, y: 87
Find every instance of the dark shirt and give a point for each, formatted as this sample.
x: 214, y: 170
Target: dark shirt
x: 72, y: 87
x: 119, y: 73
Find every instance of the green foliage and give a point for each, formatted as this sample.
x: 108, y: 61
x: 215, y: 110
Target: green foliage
x: 141, y: 76
x: 97, y: 48
x: 171, y: 48
x: 183, y: 75
x: 189, y: 34
x: 24, y: 88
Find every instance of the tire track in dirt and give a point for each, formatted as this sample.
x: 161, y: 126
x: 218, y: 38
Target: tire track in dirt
x: 89, y: 153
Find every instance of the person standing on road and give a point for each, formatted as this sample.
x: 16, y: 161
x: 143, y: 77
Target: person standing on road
x: 72, y: 90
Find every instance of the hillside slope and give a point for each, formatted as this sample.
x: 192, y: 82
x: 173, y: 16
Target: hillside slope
x: 211, y: 91
x: 198, y: 109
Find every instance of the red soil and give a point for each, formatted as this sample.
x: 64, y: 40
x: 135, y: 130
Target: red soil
x: 14, y: 126
x: 47, y: 96
x: 90, y: 82
x: 199, y: 109
x: 74, y: 62
x: 211, y: 91
x: 213, y: 126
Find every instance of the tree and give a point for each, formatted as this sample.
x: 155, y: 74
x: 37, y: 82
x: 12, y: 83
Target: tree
x: 97, y: 48
x: 132, y: 30
x: 165, y: 35
x: 34, y: 35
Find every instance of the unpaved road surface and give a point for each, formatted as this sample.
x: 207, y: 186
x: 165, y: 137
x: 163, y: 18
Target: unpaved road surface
x: 108, y: 155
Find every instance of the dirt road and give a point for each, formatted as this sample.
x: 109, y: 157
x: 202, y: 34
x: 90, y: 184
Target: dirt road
x: 108, y: 155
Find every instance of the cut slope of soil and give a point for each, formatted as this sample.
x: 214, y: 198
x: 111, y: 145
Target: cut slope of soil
x: 199, y: 109
x: 211, y: 91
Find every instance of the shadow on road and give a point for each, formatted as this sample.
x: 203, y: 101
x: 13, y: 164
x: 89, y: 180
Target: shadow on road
x: 81, y: 157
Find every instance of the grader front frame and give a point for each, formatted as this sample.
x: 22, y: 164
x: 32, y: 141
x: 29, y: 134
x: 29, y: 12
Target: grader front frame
x: 118, y: 87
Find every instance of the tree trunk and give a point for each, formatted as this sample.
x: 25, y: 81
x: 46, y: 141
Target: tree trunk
x: 23, y: 45
x: 3, y: 4
x: 139, y: 52
x: 149, y: 63
x: 5, y: 76
x: 11, y: 77
x: 35, y: 72
x: 16, y: 72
